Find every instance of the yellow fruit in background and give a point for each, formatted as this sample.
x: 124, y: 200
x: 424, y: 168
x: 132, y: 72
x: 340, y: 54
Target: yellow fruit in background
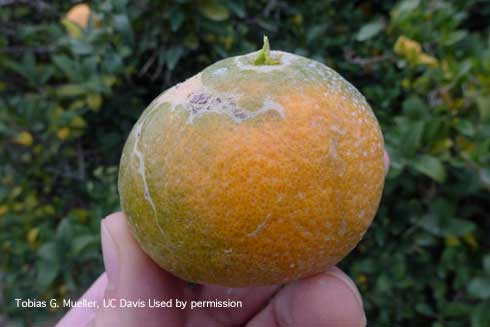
x: 79, y: 14
x: 77, y: 18
x: 63, y: 133
x: 262, y: 169
x: 412, y: 51
x: 405, y: 46
x: 24, y: 138
x: 3, y: 210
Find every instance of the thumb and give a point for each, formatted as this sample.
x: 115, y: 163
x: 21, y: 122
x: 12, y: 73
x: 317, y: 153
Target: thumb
x: 133, y: 279
x: 327, y: 299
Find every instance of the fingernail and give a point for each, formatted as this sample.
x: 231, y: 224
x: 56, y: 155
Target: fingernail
x: 111, y: 257
x: 337, y: 273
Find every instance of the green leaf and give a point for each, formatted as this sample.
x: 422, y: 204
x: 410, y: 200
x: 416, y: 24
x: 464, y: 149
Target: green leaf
x: 483, y: 103
x: 479, y: 288
x: 176, y: 19
x: 47, y: 271
x: 80, y: 47
x: 486, y: 263
x: 431, y: 224
x: 370, y: 30
x: 121, y: 23
x: 315, y: 32
x: 82, y: 242
x: 119, y: 4
x: 465, y: 127
x: 21, y: 69
x: 384, y: 284
x: 430, y: 166
x: 191, y: 41
x: 415, y: 108
x: 65, y: 230
x: 68, y: 90
x: 425, y: 240
x: 94, y: 101
x: 484, y: 176
x: 48, y: 251
x: 453, y: 37
x: 410, y: 136
x: 213, y: 10
x: 73, y: 29
x: 458, y: 227
x: 64, y: 64
x: 424, y: 309
x: 405, y: 7
x: 480, y: 316
x: 457, y: 309
x: 172, y: 57
x: 236, y: 7
x: 48, y: 265
x: 266, y: 25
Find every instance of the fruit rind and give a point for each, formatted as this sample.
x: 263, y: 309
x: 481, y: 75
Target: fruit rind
x: 276, y: 180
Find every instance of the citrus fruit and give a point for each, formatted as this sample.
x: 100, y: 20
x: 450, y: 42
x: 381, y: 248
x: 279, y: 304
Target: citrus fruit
x: 261, y: 169
x: 79, y: 14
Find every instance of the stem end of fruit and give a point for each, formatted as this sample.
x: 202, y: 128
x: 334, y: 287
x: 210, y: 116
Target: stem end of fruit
x: 264, y: 56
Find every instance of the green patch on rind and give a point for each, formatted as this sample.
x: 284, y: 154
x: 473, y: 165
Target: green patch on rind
x: 234, y: 74
x: 175, y: 218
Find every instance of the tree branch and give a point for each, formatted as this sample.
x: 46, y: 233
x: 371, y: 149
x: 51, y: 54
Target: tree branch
x: 20, y: 49
x: 350, y: 57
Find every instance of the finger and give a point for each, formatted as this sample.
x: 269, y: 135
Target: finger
x: 80, y: 315
x: 386, y: 162
x: 327, y: 299
x: 252, y: 300
x: 133, y: 276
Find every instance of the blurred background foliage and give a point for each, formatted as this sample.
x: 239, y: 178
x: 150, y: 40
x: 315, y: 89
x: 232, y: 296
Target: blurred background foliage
x: 69, y: 96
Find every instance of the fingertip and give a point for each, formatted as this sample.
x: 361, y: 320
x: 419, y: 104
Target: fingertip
x: 84, y: 316
x: 117, y: 226
x: 132, y: 276
x: 116, y: 220
x: 386, y: 162
x: 343, y: 277
x: 115, y: 215
x: 117, y: 238
x: 111, y: 254
x: 330, y: 299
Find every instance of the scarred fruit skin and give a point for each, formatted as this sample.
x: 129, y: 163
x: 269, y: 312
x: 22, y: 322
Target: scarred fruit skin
x: 252, y: 174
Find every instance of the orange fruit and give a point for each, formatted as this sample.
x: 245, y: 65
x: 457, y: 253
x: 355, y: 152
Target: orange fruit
x: 79, y: 14
x: 262, y: 169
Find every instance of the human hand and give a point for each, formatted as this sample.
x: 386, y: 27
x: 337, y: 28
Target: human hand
x: 327, y: 299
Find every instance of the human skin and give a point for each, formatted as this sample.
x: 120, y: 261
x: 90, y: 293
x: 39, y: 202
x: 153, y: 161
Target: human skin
x: 326, y: 299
